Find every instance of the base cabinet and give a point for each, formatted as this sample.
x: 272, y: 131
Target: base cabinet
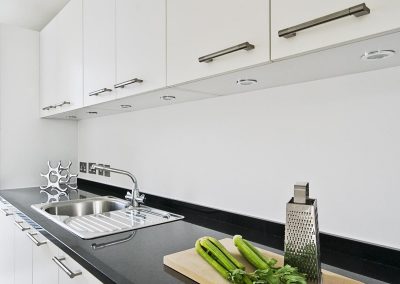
x: 84, y: 278
x: 7, y: 247
x: 22, y: 253
x: 44, y: 270
x: 27, y: 257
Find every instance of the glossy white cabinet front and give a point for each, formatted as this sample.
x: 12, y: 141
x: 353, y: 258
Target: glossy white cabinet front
x: 44, y: 270
x: 6, y: 248
x: 84, y: 278
x: 98, y: 50
x: 22, y: 253
x: 61, y: 61
x: 140, y: 45
x: 197, y: 28
x: 383, y: 17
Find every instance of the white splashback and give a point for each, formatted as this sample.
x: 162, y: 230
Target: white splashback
x: 243, y: 153
x: 26, y: 141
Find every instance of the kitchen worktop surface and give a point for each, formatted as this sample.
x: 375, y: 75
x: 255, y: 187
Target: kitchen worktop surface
x: 139, y: 260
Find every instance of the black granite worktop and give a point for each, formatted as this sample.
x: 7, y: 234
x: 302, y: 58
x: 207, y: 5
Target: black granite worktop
x: 139, y: 260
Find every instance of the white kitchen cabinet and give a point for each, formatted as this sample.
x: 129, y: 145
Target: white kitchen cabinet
x: 197, y: 28
x: 140, y: 46
x: 74, y: 267
x: 6, y: 248
x: 383, y: 17
x: 44, y: 270
x: 99, y: 50
x: 22, y: 253
x: 61, y: 61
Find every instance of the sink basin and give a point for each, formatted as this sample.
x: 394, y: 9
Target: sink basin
x: 86, y: 207
x: 101, y: 216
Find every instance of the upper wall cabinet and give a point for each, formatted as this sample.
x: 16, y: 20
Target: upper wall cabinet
x: 209, y: 37
x: 140, y: 46
x: 99, y: 50
x: 302, y: 26
x: 61, y: 69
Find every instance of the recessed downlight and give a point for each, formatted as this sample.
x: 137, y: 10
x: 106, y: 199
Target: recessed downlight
x: 246, y: 82
x: 377, y: 55
x: 72, y: 117
x: 168, y: 98
x: 92, y: 112
x: 126, y: 106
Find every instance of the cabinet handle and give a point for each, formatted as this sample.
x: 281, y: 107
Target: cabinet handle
x: 132, y: 81
x: 18, y: 224
x: 63, y: 103
x: 34, y: 240
x: 358, y: 11
x: 48, y: 107
x: 98, y: 92
x: 210, y: 57
x: 68, y: 271
x: 5, y: 212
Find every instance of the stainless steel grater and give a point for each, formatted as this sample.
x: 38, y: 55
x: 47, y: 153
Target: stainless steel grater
x: 302, y: 248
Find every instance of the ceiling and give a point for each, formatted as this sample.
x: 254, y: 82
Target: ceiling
x: 29, y: 14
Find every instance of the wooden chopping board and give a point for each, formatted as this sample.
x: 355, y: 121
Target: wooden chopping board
x: 193, y: 266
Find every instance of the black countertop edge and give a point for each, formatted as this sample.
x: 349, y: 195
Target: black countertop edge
x: 371, y: 260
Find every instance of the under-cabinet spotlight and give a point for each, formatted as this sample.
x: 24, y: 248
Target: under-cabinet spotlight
x: 126, y: 106
x: 168, y: 98
x: 377, y: 54
x: 246, y: 82
x: 92, y: 112
x: 72, y: 117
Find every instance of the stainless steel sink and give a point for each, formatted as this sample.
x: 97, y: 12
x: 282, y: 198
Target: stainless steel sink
x: 102, y: 216
x: 85, y: 207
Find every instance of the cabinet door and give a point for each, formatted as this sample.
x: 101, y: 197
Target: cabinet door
x: 141, y: 46
x: 48, y: 67
x: 44, y: 271
x: 383, y: 16
x: 61, y: 61
x: 73, y: 266
x: 6, y: 249
x: 197, y: 28
x: 70, y: 57
x: 22, y: 253
x: 98, y: 50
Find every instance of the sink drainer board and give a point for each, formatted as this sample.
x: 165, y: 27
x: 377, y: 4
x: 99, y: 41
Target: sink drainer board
x: 101, y: 216
x: 193, y: 266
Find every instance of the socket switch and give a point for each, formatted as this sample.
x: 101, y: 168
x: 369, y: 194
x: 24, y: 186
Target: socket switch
x: 83, y: 167
x: 93, y: 172
x: 107, y: 173
x: 100, y: 172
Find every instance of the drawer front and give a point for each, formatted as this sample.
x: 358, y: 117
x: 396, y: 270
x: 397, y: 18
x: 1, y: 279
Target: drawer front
x: 383, y: 16
x: 81, y: 275
x: 199, y: 28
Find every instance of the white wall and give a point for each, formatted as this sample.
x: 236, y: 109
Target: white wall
x: 26, y: 141
x: 243, y: 153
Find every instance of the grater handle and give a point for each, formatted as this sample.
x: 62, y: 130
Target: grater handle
x: 301, y: 192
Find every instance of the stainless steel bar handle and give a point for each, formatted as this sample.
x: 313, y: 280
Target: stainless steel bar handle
x: 48, y: 107
x: 5, y: 212
x: 210, y: 57
x: 98, y: 92
x: 132, y: 81
x: 63, y: 103
x: 34, y: 240
x: 18, y: 224
x: 68, y: 271
x: 358, y: 11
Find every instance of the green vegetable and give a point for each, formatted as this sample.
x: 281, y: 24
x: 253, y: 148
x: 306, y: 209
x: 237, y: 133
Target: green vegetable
x: 266, y: 273
x: 249, y: 253
x: 212, y: 251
